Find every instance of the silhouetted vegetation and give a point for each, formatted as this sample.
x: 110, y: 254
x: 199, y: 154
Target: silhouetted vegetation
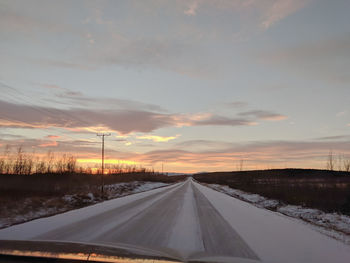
x: 326, y: 190
x: 29, y: 183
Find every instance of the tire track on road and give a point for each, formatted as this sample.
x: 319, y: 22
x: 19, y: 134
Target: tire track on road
x: 218, y: 236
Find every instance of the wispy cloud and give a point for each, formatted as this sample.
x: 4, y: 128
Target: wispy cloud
x: 269, y: 11
x: 341, y: 114
x: 264, y: 115
x: 237, y: 104
x: 279, y: 9
x: 157, y: 138
x: 335, y: 137
x: 323, y: 59
x: 104, y: 41
x: 77, y: 98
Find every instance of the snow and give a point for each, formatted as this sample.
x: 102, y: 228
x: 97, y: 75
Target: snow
x: 186, y: 234
x: 58, y: 205
x: 148, y: 186
x: 274, y: 236
x: 333, y: 224
x: 40, y: 226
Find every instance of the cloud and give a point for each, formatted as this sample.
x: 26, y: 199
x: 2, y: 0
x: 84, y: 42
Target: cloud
x: 217, y: 155
x: 53, y: 136
x: 325, y: 59
x: 79, y: 99
x: 76, y: 98
x: 13, y: 20
x: 277, y: 10
x: 216, y: 120
x: 101, y: 40
x: 237, y: 104
x: 269, y: 11
x: 156, y: 138
x: 76, y: 147
x: 336, y: 137
x: 341, y: 114
x: 62, y: 64
x: 122, y: 121
x: 86, y: 114
x: 264, y: 115
x: 192, y: 8
x: 305, y: 153
x: 49, y: 144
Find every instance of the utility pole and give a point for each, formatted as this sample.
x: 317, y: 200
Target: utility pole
x: 103, y: 157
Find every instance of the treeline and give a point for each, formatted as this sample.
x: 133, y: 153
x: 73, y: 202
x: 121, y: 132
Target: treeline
x: 22, y: 163
x: 338, y: 162
x: 19, y: 162
x: 326, y: 190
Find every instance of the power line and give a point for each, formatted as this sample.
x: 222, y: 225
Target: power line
x: 103, y: 135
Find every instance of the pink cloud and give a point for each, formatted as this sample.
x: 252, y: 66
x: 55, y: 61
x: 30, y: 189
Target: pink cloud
x: 49, y: 144
x: 53, y: 136
x: 122, y: 121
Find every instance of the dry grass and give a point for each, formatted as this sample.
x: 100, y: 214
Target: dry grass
x: 328, y: 191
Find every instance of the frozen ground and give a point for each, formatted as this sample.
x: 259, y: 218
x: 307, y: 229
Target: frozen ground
x: 32, y: 208
x: 188, y: 221
x: 331, y: 224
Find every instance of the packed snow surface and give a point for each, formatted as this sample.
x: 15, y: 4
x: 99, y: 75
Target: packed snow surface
x: 332, y: 224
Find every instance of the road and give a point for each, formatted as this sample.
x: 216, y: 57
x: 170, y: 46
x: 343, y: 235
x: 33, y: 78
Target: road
x: 187, y: 221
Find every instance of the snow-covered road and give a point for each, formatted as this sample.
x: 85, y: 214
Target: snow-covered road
x: 188, y: 220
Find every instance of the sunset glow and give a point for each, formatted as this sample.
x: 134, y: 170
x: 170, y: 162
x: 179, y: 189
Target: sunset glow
x: 189, y: 86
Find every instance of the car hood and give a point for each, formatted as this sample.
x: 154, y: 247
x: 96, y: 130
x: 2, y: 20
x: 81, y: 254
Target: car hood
x: 121, y: 253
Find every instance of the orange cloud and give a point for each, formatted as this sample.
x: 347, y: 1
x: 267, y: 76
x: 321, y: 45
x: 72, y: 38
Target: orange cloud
x: 156, y: 138
x: 275, y: 118
x: 49, y: 144
x: 53, y: 136
x: 20, y: 124
x: 106, y: 161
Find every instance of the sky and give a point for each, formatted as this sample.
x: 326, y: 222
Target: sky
x: 193, y: 85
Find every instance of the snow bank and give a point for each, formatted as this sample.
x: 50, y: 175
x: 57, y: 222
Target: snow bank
x: 276, y: 237
x: 331, y: 224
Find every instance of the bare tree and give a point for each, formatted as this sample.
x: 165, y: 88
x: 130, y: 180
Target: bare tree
x: 71, y: 164
x: 28, y: 164
x: 346, y: 163
x: 49, y: 162
x: 330, y: 161
x: 340, y: 162
x: 241, y: 162
x: 18, y: 167
x: 2, y: 165
x: 8, y: 160
x: 60, y: 164
x: 40, y: 167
